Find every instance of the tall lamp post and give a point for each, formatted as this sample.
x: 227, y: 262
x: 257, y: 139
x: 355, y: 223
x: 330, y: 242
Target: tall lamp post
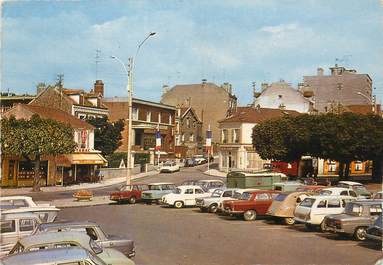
x: 372, y: 101
x: 129, y: 88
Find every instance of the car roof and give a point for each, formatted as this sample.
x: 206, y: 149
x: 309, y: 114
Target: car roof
x: 67, y: 224
x: 63, y: 255
x: 336, y: 189
x: 350, y: 183
x: 264, y: 191
x: 209, y: 180
x: 288, y: 183
x: 9, y: 216
x: 327, y: 197
x: 49, y: 238
x: 189, y: 187
x: 161, y: 183
x: 16, y: 197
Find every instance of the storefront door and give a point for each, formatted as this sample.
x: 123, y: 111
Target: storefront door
x: 11, y: 173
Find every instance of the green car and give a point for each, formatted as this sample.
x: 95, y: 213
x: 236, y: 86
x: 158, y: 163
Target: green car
x: 156, y: 191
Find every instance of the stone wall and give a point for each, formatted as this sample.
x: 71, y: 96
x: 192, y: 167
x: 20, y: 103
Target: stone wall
x: 110, y: 173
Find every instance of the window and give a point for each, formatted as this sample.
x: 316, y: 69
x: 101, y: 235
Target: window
x: 183, y: 137
x: 170, y: 119
x: 228, y: 193
x: 198, y: 191
x: 333, y: 204
x: 353, y: 194
x: 262, y: 196
x: 331, y: 166
x: 235, y: 136
x: 358, y: 166
x: 148, y: 116
x: 308, y: 202
x: 345, y: 192
x: 91, y: 233
x: 7, y: 226
x: 82, y: 116
x: 189, y: 191
x: 26, y: 224
x: 188, y: 123
x: 322, y: 204
x: 135, y: 114
x: 191, y: 138
x: 224, y: 136
x: 376, y: 209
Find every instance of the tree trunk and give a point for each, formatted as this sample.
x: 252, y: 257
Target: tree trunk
x: 36, y: 178
x: 341, y: 171
x: 347, y: 171
x: 377, y: 170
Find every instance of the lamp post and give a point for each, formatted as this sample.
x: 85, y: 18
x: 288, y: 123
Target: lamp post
x: 129, y: 88
x: 369, y: 99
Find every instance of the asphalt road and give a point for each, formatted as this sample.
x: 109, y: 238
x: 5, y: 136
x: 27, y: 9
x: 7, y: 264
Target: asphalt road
x: 187, y: 236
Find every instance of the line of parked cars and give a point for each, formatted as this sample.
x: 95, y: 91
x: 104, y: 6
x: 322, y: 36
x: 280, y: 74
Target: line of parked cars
x: 29, y: 235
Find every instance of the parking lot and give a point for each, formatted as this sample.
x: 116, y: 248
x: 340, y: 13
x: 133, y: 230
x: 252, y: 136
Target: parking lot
x: 187, y: 236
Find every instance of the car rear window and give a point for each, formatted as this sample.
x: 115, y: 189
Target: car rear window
x: 246, y: 196
x: 308, y: 202
x: 325, y: 192
x: 281, y: 197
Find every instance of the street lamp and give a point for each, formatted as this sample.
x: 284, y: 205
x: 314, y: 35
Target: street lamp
x: 369, y: 99
x: 129, y: 88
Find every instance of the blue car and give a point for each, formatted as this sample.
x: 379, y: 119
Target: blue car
x: 156, y: 191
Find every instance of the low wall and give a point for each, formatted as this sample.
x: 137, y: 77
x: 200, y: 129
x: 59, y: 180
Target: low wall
x: 110, y: 173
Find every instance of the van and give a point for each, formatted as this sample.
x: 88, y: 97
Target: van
x: 258, y: 180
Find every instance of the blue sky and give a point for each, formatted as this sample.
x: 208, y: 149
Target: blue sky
x: 237, y: 41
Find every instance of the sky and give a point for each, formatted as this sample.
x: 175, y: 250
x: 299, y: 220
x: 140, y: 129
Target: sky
x: 236, y: 41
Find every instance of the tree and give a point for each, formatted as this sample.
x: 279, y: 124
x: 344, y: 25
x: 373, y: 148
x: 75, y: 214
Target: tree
x: 34, y: 138
x: 107, y: 136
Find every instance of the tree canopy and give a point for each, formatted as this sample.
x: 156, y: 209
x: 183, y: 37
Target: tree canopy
x: 107, y: 135
x: 34, y: 138
x: 342, y: 137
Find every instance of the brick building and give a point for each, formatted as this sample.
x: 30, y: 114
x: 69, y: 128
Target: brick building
x: 76, y: 102
x: 80, y: 166
x: 189, y: 132
x: 340, y: 88
x: 146, y: 117
x: 210, y: 102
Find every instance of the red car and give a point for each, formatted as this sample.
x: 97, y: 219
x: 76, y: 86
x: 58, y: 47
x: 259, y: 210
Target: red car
x: 251, y: 204
x: 129, y: 193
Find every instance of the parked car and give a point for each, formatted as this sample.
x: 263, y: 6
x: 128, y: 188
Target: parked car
x: 211, y: 203
x: 94, y: 231
x: 200, y: 159
x: 21, y: 204
x: 284, y: 204
x: 238, y: 194
x: 359, y: 188
x: 156, y: 191
x: 375, y: 231
x: 311, y: 188
x: 169, y: 167
x: 287, y: 186
x: 184, y: 196
x: 58, y: 256
x: 378, y: 195
x: 14, y: 226
x: 189, y: 182
x: 251, y: 205
x: 69, y: 239
x: 190, y: 162
x: 129, y: 193
x: 355, y: 220
x: 338, y: 191
x: 210, y: 185
x: 312, y: 210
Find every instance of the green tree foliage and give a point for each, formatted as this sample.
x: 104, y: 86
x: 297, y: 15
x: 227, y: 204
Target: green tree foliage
x: 107, y: 135
x: 34, y: 138
x: 344, y: 138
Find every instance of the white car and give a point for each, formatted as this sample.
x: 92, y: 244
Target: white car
x: 312, y: 210
x: 184, y: 196
x: 18, y: 201
x: 359, y: 188
x: 200, y: 159
x: 211, y: 203
x: 170, y: 167
x: 337, y: 191
x: 210, y: 185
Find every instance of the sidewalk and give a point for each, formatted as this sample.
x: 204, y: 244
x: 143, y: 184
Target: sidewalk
x: 215, y: 173
x: 104, y: 183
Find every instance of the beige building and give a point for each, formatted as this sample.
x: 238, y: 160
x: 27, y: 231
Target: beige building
x: 210, y: 102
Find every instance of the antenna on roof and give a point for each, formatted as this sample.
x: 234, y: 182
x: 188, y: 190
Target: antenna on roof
x: 60, y: 80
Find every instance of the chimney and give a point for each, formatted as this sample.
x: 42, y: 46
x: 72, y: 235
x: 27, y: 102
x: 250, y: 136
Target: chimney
x: 320, y: 71
x: 264, y: 86
x: 165, y: 89
x: 99, y: 88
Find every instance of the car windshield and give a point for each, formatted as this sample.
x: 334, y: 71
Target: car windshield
x: 154, y: 187
x: 217, y: 193
x: 325, y: 192
x: 178, y: 191
x: 308, y: 202
x: 353, y: 209
x: 246, y: 196
x: 95, y: 246
x: 360, y: 188
x: 281, y: 197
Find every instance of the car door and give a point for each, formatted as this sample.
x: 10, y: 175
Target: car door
x: 199, y: 193
x: 263, y: 202
x: 26, y: 226
x: 189, y: 196
x: 319, y: 211
x: 8, y: 235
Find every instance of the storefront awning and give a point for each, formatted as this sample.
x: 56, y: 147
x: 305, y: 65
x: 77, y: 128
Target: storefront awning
x: 87, y: 159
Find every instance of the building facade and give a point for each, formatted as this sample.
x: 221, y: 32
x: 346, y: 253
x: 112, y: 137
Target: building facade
x: 76, y: 102
x: 147, y: 116
x: 80, y: 166
x: 236, y: 151
x: 189, y: 132
x: 211, y: 103
x: 9, y: 100
x: 342, y: 87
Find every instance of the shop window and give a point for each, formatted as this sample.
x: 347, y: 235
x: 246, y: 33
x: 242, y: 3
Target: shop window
x: 331, y: 166
x: 358, y: 166
x: 26, y: 170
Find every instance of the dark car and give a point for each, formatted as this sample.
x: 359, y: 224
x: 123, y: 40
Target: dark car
x: 355, y: 220
x: 375, y: 231
x: 129, y: 193
x: 190, y: 162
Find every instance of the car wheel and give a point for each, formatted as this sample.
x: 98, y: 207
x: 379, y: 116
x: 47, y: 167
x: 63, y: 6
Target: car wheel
x: 323, y: 226
x: 360, y: 233
x: 250, y: 215
x: 178, y: 204
x: 289, y: 221
x: 132, y: 200
x: 213, y: 208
